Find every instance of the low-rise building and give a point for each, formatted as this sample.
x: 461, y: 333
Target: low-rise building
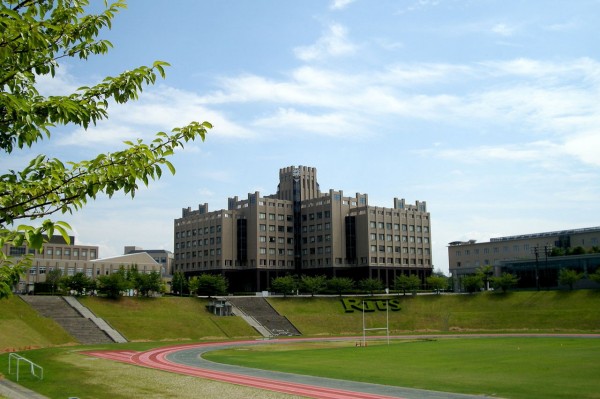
x: 505, y: 253
x: 73, y: 258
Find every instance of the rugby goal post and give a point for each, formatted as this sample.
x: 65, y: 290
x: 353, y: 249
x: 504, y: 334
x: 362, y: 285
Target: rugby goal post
x: 387, y: 323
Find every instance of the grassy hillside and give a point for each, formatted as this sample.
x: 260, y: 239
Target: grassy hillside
x: 554, y: 311
x: 167, y: 318
x: 172, y: 318
x: 21, y: 327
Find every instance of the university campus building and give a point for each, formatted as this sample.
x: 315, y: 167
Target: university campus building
x: 528, y: 256
x: 300, y: 230
x: 72, y: 258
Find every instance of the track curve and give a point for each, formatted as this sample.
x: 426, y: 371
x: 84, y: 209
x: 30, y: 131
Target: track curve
x: 186, y: 359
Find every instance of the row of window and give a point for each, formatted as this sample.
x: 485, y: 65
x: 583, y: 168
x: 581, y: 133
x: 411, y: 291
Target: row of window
x: 19, y: 251
x: 198, y: 243
x: 199, y: 231
x: 272, y: 216
x: 70, y: 271
x: 397, y: 238
x: 397, y: 226
x: 405, y: 250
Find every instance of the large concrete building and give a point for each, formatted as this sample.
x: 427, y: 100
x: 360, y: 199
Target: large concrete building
x: 300, y: 230
x: 528, y: 255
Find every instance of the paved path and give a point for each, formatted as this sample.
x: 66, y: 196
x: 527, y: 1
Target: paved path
x: 186, y: 359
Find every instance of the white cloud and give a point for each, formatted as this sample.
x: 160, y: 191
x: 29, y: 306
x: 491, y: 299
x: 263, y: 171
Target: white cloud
x: 332, y: 124
x: 340, y: 4
x: 157, y: 109
x: 334, y: 43
x: 503, y: 30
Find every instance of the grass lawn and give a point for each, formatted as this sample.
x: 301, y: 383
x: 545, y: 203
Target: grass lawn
x: 70, y: 374
x: 527, y: 311
x: 21, y: 327
x: 504, y: 367
x: 166, y: 318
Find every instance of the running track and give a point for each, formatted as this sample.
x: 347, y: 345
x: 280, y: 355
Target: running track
x: 185, y: 359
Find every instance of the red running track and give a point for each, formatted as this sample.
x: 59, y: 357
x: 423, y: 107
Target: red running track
x: 157, y: 359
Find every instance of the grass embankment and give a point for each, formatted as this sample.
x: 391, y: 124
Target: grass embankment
x: 554, y: 311
x: 21, y: 327
x: 515, y: 368
x: 167, y: 318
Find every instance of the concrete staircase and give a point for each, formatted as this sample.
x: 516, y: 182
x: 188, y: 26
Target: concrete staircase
x: 83, y: 329
x: 267, y: 318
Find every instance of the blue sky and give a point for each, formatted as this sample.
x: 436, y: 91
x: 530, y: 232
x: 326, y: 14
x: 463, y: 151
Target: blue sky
x: 487, y: 110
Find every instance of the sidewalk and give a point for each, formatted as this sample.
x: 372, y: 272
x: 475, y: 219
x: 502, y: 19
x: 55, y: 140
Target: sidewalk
x: 12, y: 390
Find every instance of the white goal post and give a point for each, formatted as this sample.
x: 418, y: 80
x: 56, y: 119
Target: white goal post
x: 387, y: 323
x: 34, y: 369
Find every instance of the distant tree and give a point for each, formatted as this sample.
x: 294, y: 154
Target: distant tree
x: 179, y: 284
x: 285, y: 285
x: 53, y: 278
x: 594, y: 250
x: 370, y: 285
x: 472, y: 283
x: 437, y: 283
x: 558, y: 251
x: 79, y: 282
x: 313, y: 284
x: 35, y: 38
x: 113, y: 285
x: 579, y: 250
x: 595, y: 277
x: 405, y: 283
x: 212, y: 284
x: 147, y: 283
x: 194, y: 285
x: 340, y: 284
x: 568, y: 277
x: 504, y: 282
x: 486, y: 272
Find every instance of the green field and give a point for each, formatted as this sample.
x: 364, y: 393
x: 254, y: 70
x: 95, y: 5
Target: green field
x: 507, y: 367
x: 503, y: 367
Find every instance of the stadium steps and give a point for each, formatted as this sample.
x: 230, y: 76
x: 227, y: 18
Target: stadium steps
x: 260, y: 310
x: 83, y: 329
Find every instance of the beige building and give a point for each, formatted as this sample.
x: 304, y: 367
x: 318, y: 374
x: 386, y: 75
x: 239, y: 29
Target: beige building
x: 300, y: 230
x: 72, y: 258
x: 465, y: 257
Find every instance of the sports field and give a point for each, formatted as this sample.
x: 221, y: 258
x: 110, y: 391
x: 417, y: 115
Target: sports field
x: 499, y: 367
x: 507, y: 367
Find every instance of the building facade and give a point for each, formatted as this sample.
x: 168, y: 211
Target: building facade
x: 300, y: 230
x: 520, y: 252
x: 161, y: 256
x: 72, y: 258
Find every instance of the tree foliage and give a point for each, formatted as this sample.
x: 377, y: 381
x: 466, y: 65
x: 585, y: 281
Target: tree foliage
x: 569, y: 277
x: 78, y: 283
x: 437, y: 283
x: 212, y: 284
x: 405, y: 283
x: 340, y: 284
x: 285, y: 285
x: 113, y: 285
x: 35, y: 36
x: 370, y: 285
x: 313, y: 284
x: 472, y: 283
x: 179, y: 284
x: 504, y: 282
x: 53, y: 277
